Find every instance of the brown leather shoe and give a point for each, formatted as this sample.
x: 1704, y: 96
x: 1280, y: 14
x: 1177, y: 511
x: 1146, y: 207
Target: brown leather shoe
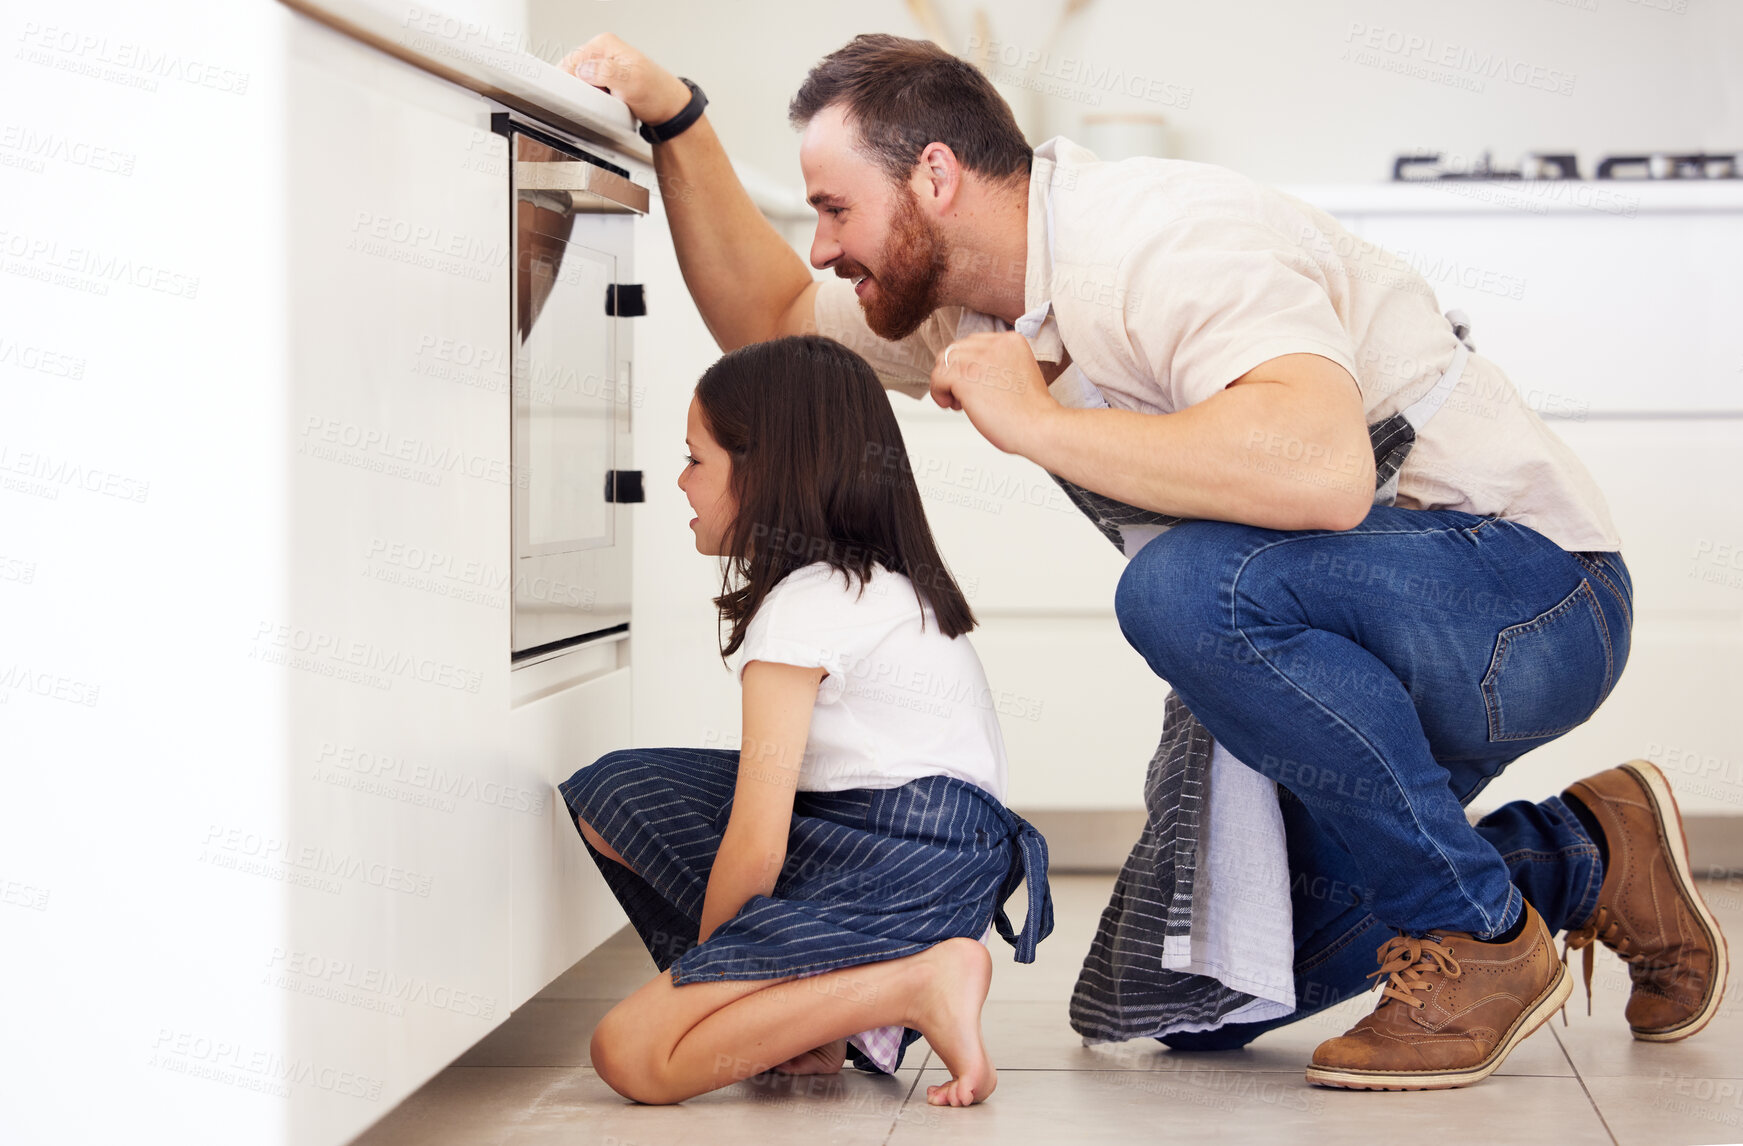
x: 1649, y: 910
x: 1453, y: 1008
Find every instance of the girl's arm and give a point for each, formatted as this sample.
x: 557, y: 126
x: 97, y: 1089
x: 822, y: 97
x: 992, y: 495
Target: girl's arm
x: 778, y: 699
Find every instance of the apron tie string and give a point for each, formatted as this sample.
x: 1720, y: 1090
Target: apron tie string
x: 1028, y: 864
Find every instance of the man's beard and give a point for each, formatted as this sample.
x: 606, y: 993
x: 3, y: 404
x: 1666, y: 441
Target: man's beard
x: 906, y: 291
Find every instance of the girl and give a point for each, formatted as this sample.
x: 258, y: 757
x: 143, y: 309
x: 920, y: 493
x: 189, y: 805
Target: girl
x: 836, y: 874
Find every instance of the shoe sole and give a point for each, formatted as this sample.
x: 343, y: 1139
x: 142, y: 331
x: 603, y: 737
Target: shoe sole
x: 1663, y: 802
x: 1539, y: 1013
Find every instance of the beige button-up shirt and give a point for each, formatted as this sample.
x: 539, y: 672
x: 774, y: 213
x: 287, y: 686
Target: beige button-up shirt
x: 1167, y: 280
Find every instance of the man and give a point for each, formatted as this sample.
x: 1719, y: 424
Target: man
x: 1371, y: 595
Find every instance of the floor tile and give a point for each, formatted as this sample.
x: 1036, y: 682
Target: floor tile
x: 529, y: 1106
x: 477, y: 1106
x: 1203, y: 1105
x: 528, y: 1082
x: 1674, y: 1108
x: 543, y: 1032
x: 1601, y: 1045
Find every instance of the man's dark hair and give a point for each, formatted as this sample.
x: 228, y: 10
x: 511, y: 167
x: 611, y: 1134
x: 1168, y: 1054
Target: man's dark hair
x: 904, y: 94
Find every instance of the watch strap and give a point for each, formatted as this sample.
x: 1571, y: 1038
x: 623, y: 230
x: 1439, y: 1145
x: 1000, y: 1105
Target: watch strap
x: 676, y: 126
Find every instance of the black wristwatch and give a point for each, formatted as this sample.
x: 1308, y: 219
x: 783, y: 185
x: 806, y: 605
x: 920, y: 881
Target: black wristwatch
x: 674, y: 127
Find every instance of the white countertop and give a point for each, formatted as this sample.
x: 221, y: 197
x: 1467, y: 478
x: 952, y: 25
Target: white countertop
x: 487, y: 60
x: 1622, y: 197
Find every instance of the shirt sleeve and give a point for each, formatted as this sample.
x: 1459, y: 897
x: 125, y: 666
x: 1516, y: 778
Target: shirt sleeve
x: 904, y: 365
x: 805, y: 620
x: 1211, y: 297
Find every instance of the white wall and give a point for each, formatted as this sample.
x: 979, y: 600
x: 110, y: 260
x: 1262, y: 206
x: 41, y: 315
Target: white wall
x: 141, y: 378
x: 1267, y: 88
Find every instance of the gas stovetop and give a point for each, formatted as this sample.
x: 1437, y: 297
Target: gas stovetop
x: 1429, y: 166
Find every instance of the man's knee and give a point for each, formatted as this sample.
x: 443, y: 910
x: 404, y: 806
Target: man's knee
x: 1168, y: 600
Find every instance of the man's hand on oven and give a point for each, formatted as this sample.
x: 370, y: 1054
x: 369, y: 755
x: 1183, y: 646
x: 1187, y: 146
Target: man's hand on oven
x: 652, y: 94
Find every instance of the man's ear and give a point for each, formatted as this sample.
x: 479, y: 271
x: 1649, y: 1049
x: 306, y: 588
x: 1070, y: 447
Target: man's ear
x: 938, y: 176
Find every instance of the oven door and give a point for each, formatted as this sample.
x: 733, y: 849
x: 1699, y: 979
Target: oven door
x: 571, y: 359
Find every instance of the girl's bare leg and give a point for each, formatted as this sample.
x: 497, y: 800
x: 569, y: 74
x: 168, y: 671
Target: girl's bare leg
x: 826, y: 1059
x: 598, y: 841
x: 665, y: 1044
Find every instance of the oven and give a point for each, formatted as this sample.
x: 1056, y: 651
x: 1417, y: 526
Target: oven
x: 571, y: 376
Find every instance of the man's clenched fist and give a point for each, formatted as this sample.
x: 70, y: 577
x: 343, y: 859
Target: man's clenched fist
x: 995, y: 380
x: 652, y: 94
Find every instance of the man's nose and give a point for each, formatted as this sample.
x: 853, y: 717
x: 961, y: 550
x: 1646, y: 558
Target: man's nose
x: 824, y: 249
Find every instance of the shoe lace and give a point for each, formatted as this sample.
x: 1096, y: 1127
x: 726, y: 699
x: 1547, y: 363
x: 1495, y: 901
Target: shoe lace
x: 1606, y: 927
x: 1403, y: 959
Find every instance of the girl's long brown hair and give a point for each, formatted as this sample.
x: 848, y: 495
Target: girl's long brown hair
x: 819, y: 473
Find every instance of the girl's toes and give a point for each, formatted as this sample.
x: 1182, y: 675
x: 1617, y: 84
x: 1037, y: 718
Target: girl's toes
x: 952, y: 1093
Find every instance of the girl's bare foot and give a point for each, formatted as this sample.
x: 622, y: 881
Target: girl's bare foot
x: 947, y: 1012
x: 826, y: 1059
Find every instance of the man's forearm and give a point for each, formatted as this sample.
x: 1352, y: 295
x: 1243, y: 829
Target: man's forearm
x: 742, y: 274
x: 1246, y: 455
x: 740, y: 271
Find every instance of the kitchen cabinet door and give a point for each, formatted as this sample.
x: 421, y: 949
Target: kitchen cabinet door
x: 414, y: 748
x: 1590, y: 312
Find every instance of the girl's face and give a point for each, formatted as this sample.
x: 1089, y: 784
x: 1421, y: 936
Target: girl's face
x: 705, y: 481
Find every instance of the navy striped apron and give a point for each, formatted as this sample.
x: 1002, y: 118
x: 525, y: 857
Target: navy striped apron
x: 871, y: 873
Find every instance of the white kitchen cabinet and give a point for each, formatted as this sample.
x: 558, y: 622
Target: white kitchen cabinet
x: 280, y: 838
x: 1632, y: 309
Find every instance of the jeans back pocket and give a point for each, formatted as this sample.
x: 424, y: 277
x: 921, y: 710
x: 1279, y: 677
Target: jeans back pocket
x: 1549, y: 674
x: 1608, y: 574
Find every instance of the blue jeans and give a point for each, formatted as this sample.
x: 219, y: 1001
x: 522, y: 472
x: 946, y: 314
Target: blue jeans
x: 1382, y: 676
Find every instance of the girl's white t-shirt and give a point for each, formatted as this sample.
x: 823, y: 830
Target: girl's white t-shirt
x: 898, y: 702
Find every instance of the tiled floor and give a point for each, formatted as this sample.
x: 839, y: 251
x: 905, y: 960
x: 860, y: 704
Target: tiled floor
x: 528, y: 1083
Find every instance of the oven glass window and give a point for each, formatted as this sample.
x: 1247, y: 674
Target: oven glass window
x: 573, y: 242
x: 563, y: 369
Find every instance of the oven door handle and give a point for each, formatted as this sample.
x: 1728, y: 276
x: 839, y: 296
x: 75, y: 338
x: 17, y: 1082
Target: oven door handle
x: 613, y: 192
